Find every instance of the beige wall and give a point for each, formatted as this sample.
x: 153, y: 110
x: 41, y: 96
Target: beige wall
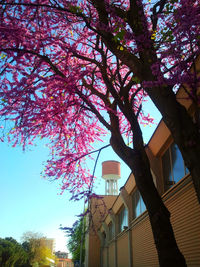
x: 94, y: 251
x: 65, y: 263
x: 182, y: 202
x: 99, y: 210
x: 112, y: 254
x: 160, y: 139
x: 144, y: 251
x: 122, y: 250
x: 156, y: 167
x: 105, y: 259
x: 117, y: 205
x: 130, y: 184
x: 185, y: 218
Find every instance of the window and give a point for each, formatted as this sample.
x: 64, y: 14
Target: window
x: 123, y: 219
x: 173, y: 166
x: 111, y: 231
x: 138, y: 204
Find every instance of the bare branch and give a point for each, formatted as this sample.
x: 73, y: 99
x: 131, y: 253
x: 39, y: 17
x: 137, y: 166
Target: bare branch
x: 154, y: 17
x: 87, y: 154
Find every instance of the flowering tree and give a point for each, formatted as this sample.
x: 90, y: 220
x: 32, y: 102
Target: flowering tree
x: 72, y: 71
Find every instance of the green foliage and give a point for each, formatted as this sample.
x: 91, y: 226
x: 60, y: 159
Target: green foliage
x: 136, y: 79
x: 77, y: 235
x: 38, y: 252
x: 2, y: 56
x: 75, y: 9
x: 119, y: 36
x: 12, y: 253
x: 31, y: 253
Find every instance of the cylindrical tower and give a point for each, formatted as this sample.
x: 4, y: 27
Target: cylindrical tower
x: 111, y: 173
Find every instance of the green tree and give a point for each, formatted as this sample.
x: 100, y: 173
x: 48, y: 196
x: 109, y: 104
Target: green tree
x: 39, y: 253
x: 76, y: 243
x: 12, y: 253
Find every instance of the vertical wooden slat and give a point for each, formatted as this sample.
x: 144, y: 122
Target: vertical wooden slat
x: 185, y: 218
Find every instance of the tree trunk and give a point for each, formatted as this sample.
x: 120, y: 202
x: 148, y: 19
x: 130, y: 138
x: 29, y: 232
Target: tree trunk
x: 167, y: 249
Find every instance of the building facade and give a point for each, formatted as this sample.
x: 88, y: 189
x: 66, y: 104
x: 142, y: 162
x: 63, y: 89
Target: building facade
x: 62, y: 254
x: 49, y: 243
x: 124, y: 236
x: 63, y: 262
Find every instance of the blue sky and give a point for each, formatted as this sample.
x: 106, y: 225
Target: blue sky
x: 31, y: 203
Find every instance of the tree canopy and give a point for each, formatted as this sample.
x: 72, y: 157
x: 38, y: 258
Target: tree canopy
x: 37, y: 249
x: 66, y: 64
x: 12, y: 253
x: 32, y: 252
x: 73, y: 71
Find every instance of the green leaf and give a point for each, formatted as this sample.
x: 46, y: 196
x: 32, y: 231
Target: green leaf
x: 120, y: 35
x: 75, y: 9
x: 136, y: 79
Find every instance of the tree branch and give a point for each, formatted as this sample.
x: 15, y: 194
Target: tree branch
x: 42, y: 57
x: 154, y: 17
x: 87, y: 154
x: 93, y: 109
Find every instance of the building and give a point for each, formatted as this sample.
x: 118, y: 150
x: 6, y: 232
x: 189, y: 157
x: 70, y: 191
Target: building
x: 62, y: 255
x: 49, y: 243
x: 124, y: 236
x: 98, y: 211
x: 63, y: 262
